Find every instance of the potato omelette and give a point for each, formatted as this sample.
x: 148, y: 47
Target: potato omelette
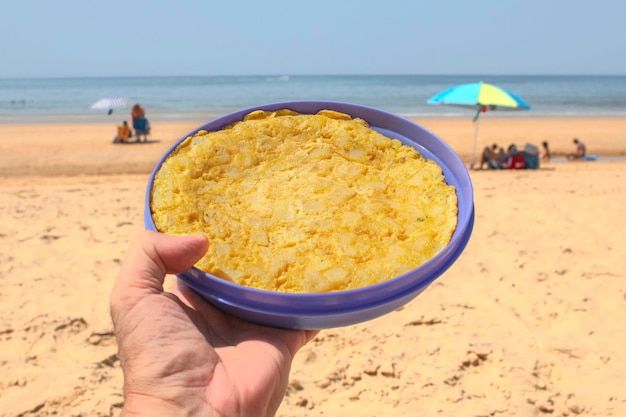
x: 305, y: 203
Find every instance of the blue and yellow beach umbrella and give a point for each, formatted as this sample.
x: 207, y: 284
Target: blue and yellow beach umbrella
x: 481, y: 97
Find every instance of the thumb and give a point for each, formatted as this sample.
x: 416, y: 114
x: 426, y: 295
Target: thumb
x: 150, y: 257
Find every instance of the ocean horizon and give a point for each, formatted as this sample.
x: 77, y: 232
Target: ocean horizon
x: 179, y: 98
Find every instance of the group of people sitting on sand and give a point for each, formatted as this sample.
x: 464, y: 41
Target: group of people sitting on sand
x: 140, y: 124
x: 495, y: 157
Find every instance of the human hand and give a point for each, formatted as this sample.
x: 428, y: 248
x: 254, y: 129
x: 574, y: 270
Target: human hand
x: 179, y: 354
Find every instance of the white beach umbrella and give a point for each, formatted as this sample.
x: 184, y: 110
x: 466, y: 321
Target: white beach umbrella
x: 111, y: 103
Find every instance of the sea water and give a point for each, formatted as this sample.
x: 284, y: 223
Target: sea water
x: 203, y: 98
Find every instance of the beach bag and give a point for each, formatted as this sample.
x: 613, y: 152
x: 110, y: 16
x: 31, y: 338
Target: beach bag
x: 531, y: 161
x: 515, y: 161
x: 531, y: 156
x: 531, y: 149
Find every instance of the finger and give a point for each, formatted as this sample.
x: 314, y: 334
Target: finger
x: 151, y: 256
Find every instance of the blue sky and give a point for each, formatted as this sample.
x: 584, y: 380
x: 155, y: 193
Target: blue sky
x: 64, y: 38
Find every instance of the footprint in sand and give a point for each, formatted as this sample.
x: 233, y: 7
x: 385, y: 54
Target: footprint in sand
x: 72, y: 327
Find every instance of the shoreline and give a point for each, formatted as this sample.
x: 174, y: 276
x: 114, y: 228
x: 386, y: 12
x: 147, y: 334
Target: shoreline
x: 205, y: 117
x: 59, y: 149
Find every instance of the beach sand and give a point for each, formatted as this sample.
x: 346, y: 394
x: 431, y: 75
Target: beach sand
x: 528, y: 322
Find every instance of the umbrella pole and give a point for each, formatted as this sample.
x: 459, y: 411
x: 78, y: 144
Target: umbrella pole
x: 473, y: 160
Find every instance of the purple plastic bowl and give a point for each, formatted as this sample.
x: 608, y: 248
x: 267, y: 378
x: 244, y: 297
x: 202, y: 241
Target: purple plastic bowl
x: 342, y: 308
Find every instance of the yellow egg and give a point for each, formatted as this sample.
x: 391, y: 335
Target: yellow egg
x: 305, y: 203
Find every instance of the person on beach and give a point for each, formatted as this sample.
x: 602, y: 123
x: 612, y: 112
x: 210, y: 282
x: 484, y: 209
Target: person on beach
x: 514, y: 158
x: 545, y: 154
x: 140, y: 122
x: 580, y: 152
x: 492, y: 157
x: 179, y: 354
x: 123, y: 133
x: 137, y: 112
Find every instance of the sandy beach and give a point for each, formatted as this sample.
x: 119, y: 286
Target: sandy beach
x: 528, y: 322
